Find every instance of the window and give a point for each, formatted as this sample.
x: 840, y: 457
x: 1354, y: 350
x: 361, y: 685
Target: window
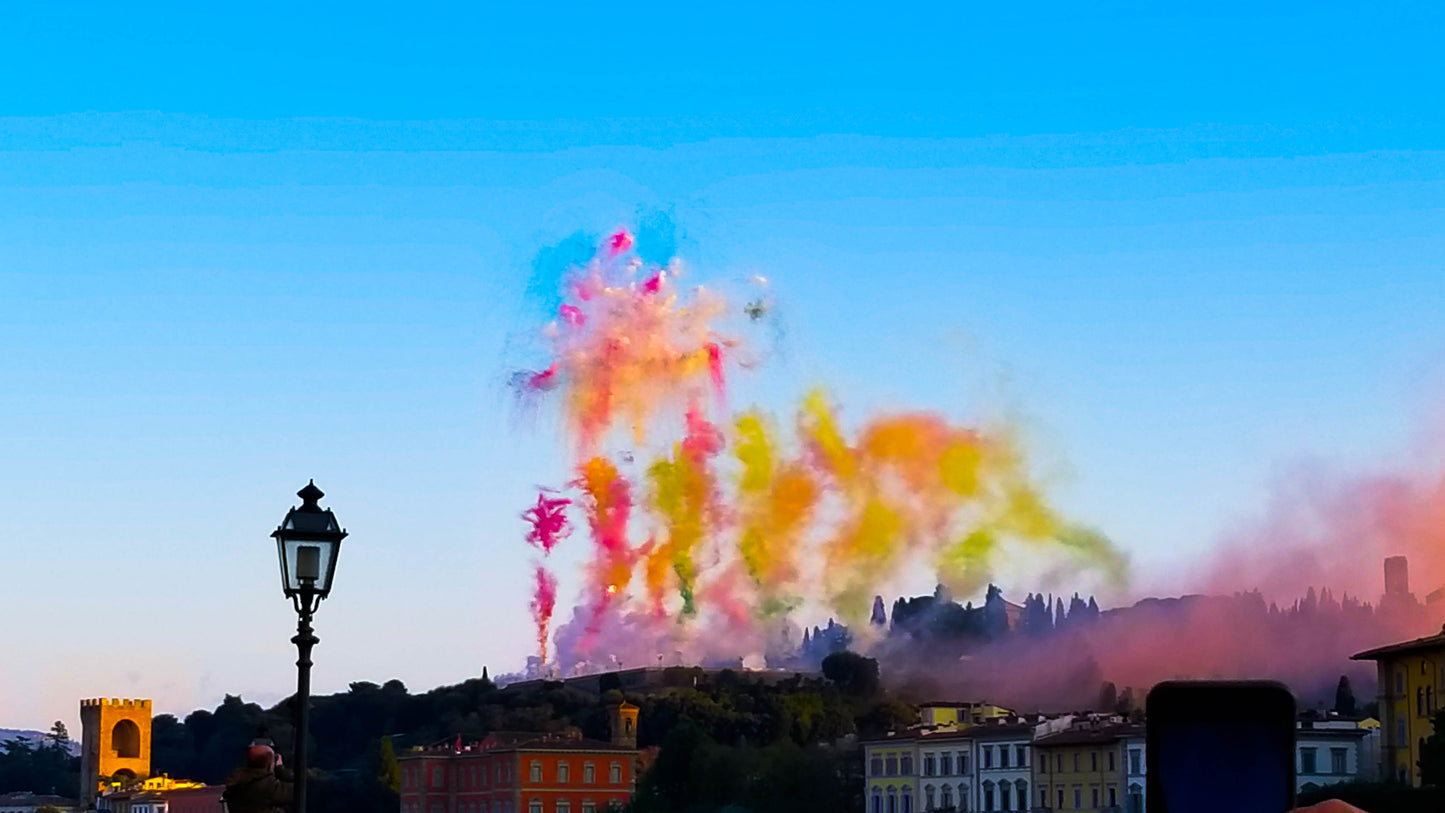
x: 1337, y: 760
x: 1003, y: 796
x: 1076, y: 762
x: 1419, y: 701
x: 946, y: 797
x: 875, y: 766
x: 987, y: 796
x: 1400, y: 732
x: 963, y: 798
x: 564, y: 806
x: 438, y: 776
x: 535, y: 774
x: 908, y: 800
x: 125, y: 739
x: 1059, y: 763
x: 877, y: 802
x: 1136, y: 758
x: 1113, y: 796
x: 945, y: 765
x: 1044, y: 765
x: 535, y: 806
x: 892, y: 801
x: 1061, y: 798
x: 907, y: 764
x: 1003, y: 756
x: 1400, y: 683
x: 892, y: 763
x: 614, y: 773
x: 1429, y: 699
x: 1136, y: 799
x: 1078, y: 797
x: 928, y: 797
x: 589, y: 806
x: 1111, y: 762
x: 1094, y: 762
x: 962, y: 762
x: 564, y: 774
x: 1021, y: 757
x: 928, y: 766
x: 1044, y: 796
x: 987, y: 757
x: 1021, y: 790
x: 1307, y: 761
x: 1094, y: 796
x: 589, y: 773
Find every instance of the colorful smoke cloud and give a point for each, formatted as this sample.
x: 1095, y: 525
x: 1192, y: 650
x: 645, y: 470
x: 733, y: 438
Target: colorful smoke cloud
x: 745, y: 516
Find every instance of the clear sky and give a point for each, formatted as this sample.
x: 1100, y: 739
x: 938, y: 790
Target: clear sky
x: 243, y: 247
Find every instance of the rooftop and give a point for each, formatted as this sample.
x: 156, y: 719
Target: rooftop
x: 507, y: 741
x: 1428, y: 643
x: 1089, y: 735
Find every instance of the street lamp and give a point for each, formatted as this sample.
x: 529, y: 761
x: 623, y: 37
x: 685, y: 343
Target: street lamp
x: 307, y: 542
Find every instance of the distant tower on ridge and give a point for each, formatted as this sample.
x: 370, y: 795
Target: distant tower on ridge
x: 1397, y: 576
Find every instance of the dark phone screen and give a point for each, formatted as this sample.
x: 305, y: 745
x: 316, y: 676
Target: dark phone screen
x: 1225, y: 748
x: 1239, y: 767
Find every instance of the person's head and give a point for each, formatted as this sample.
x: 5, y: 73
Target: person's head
x: 260, y: 756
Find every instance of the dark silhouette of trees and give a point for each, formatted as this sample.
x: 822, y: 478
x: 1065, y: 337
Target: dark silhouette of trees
x: 854, y: 674
x: 1345, y: 697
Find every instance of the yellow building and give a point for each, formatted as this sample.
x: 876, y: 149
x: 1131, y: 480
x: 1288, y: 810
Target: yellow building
x: 1410, y: 678
x: 942, y: 714
x: 1086, y: 768
x: 892, y: 773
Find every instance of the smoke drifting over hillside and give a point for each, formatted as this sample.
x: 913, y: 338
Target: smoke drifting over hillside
x: 711, y: 528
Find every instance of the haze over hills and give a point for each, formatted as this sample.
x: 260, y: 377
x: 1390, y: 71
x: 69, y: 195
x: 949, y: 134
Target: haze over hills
x: 34, y: 737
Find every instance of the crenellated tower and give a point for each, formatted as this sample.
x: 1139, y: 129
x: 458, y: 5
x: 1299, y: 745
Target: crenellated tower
x: 115, y: 739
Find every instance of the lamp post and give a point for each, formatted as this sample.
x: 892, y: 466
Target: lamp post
x: 307, y: 542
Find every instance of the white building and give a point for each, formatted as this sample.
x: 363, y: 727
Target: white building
x: 1136, y: 774
x: 946, y: 771
x: 1002, y: 764
x: 1331, y: 751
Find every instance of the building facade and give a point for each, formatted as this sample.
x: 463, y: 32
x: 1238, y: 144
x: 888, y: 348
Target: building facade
x: 1003, y: 765
x: 512, y: 772
x: 890, y: 764
x: 1410, y: 680
x: 1328, y: 752
x: 945, y: 762
x: 1088, y: 768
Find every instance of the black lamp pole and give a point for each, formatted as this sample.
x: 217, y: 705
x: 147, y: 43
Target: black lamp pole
x: 306, y: 603
x: 308, y: 542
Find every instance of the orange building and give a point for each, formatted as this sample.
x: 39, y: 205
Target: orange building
x: 515, y: 772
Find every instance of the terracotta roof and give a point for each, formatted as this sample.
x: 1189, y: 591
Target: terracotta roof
x: 1436, y: 641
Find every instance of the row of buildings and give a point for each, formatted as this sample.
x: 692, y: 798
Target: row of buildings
x: 526, y: 772
x: 969, y: 757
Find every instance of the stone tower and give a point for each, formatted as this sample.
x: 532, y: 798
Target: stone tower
x: 115, y: 739
x: 624, y: 724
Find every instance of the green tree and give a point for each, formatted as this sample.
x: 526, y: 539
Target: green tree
x: 854, y: 674
x: 388, y: 769
x: 59, y: 737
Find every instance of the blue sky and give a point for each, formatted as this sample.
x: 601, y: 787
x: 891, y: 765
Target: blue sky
x: 242, y: 249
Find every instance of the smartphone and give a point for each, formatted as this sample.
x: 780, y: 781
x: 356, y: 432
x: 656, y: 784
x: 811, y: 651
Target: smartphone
x: 1220, y: 745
